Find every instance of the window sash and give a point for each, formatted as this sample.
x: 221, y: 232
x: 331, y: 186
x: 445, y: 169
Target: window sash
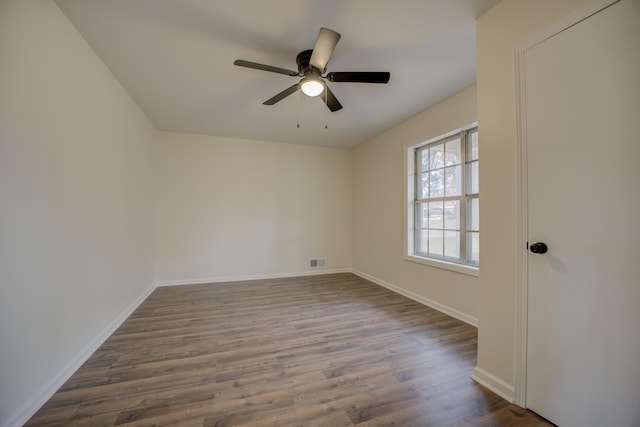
x: 464, y: 165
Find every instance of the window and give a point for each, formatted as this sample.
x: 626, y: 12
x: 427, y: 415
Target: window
x: 443, y: 201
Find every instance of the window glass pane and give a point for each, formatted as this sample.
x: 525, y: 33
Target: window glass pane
x: 452, y: 154
x: 422, y: 215
x: 473, y: 213
x: 472, y: 147
x: 436, y: 219
x: 436, y: 183
x: 446, y: 203
x: 423, y: 159
x: 452, y: 215
x: 422, y: 242
x: 411, y: 187
x: 436, y: 156
x: 436, y: 238
x: 473, y: 244
x: 473, y: 176
x: 423, y: 186
x: 452, y: 181
x: 452, y: 244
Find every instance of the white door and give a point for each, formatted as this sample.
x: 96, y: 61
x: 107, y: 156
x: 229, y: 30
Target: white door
x: 582, y: 99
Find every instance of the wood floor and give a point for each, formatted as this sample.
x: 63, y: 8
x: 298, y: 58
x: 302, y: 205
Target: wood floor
x: 333, y: 350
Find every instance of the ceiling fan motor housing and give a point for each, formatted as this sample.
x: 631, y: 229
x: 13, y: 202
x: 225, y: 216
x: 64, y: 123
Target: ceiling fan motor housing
x: 304, y: 68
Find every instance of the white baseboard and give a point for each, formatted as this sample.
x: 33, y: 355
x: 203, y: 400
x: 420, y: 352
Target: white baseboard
x: 473, y: 321
x: 493, y: 383
x: 32, y: 406
x: 203, y: 281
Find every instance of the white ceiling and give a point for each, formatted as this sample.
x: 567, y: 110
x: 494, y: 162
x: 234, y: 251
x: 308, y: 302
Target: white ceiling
x: 175, y: 58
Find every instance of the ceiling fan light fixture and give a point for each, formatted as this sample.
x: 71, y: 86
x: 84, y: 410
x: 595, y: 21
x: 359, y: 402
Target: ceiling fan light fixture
x: 311, y: 86
x: 312, y: 63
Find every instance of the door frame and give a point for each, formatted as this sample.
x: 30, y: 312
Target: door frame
x: 591, y: 8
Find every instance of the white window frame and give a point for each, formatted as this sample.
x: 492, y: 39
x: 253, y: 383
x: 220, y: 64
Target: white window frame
x: 409, y: 206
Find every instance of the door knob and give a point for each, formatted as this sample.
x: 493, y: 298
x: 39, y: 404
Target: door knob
x: 538, y: 248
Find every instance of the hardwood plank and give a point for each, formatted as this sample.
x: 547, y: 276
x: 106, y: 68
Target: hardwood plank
x: 333, y: 350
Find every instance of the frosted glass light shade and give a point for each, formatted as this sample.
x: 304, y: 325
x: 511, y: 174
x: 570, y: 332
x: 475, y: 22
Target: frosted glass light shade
x: 312, y: 87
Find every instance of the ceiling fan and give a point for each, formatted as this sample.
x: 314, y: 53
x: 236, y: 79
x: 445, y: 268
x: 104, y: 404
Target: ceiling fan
x: 312, y: 65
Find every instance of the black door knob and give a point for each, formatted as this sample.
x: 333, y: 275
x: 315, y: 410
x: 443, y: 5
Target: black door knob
x: 538, y: 248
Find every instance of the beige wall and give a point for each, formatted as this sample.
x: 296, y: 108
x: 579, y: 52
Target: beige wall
x: 77, y: 161
x: 231, y: 208
x: 76, y: 201
x: 498, y: 31
x: 379, y: 198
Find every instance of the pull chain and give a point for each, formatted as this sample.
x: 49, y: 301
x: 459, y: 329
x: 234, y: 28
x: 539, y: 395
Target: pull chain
x: 326, y: 115
x: 298, y: 126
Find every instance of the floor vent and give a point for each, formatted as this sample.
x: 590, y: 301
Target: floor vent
x: 317, y: 262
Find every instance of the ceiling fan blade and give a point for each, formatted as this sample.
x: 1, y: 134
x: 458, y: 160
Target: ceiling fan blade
x: 325, y: 43
x: 264, y: 67
x: 360, y: 77
x: 282, y: 95
x: 330, y: 99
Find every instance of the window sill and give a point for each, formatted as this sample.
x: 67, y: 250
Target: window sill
x: 458, y: 268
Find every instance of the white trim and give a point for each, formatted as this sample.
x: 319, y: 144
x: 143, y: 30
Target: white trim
x: 207, y: 280
x: 569, y: 21
x: 473, y: 321
x: 595, y: 6
x: 451, y: 266
x: 493, y: 383
x: 522, y: 233
x: 408, y: 221
x: 444, y: 135
x: 45, y: 393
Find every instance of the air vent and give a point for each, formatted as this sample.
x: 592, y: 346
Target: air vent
x: 317, y: 262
